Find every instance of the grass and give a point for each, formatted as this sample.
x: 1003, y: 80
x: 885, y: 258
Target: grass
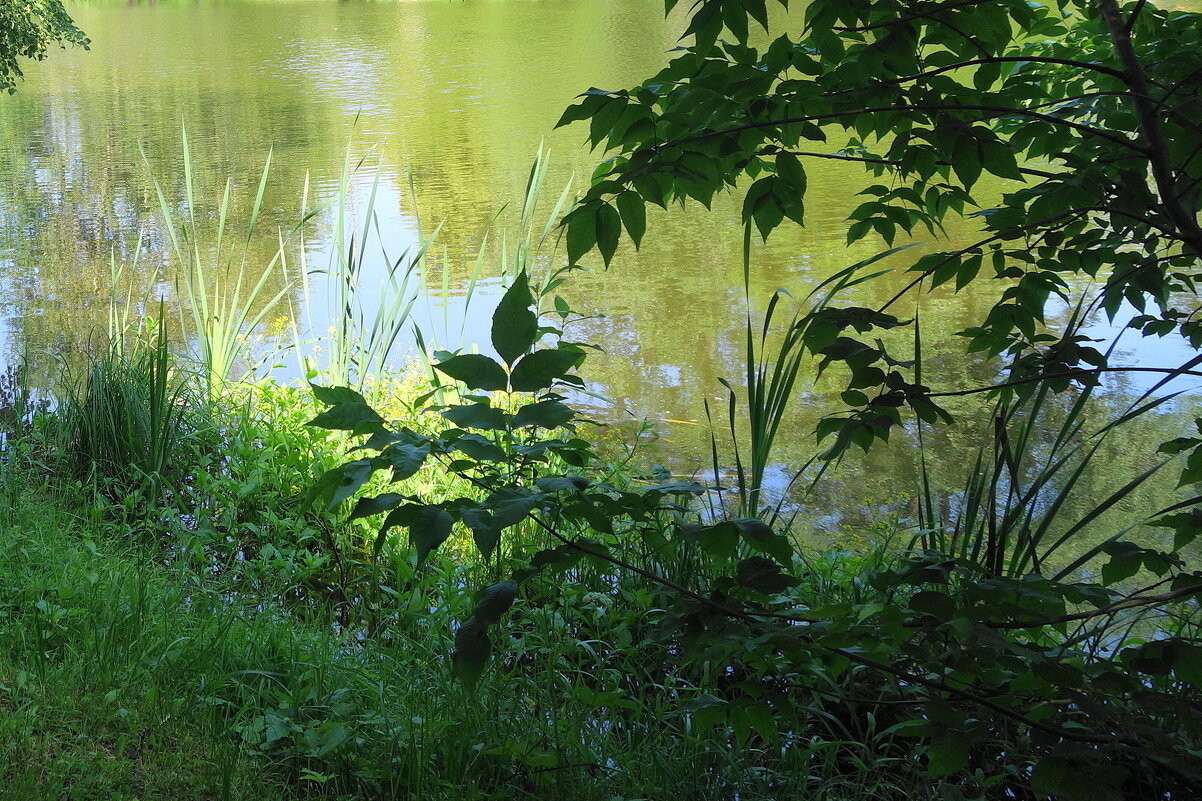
x: 217, y: 662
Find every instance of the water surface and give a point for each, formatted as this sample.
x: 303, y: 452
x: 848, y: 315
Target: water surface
x: 453, y: 99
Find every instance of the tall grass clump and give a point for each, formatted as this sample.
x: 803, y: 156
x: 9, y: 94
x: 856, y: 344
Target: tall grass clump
x: 127, y: 419
x: 773, y: 362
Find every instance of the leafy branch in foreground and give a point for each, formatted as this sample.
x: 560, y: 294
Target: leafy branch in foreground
x: 1094, y: 112
x: 1008, y: 686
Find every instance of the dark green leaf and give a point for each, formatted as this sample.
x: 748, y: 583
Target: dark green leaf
x: 476, y: 415
x: 763, y: 539
x: 476, y: 370
x: 582, y: 231
x: 429, y: 527
x: 514, y: 323
x: 332, y: 396
x: 346, y: 417
x: 634, y: 215
x: 405, y: 459
x: 366, y: 507
x: 473, y: 647
x: 547, y: 414
x: 763, y: 575
x: 480, y: 448
x: 608, y: 229
x: 539, y: 370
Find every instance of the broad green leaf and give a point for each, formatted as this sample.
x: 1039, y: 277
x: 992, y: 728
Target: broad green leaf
x: 539, y: 370
x: 512, y: 504
x: 477, y: 415
x: 789, y: 169
x: 581, y: 224
x: 634, y: 215
x: 367, y: 507
x: 547, y: 414
x: 429, y: 527
x: 332, y: 396
x: 1125, y: 561
x: 473, y: 647
x: 476, y: 370
x: 514, y: 323
x: 563, y: 483
x: 484, y: 530
x: 608, y: 229
x: 340, y: 483
x: 763, y: 575
x: 480, y: 448
x: 405, y: 459
x: 346, y: 417
x: 947, y: 754
x: 763, y: 539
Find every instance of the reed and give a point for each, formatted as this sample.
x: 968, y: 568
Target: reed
x: 224, y: 297
x: 126, y: 420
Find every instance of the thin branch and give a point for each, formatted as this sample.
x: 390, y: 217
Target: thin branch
x: 991, y: 110
x: 892, y: 162
x: 1156, y: 147
x: 1066, y: 62
x: 1066, y: 374
x: 1133, y: 602
x: 1135, y: 12
x: 1008, y: 233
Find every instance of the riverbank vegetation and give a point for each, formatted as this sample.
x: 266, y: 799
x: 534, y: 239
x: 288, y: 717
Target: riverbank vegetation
x: 449, y: 581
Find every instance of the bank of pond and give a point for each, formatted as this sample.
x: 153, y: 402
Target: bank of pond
x: 416, y: 587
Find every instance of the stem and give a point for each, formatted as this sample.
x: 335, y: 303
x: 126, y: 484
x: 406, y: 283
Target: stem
x: 1065, y: 374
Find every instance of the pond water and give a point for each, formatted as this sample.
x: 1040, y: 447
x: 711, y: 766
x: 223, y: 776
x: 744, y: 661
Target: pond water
x: 451, y: 102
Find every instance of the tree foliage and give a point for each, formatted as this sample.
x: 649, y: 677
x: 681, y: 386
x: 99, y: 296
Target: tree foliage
x: 27, y: 28
x: 1093, y: 112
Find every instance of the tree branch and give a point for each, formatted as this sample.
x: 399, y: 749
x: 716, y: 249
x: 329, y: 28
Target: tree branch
x: 1066, y: 374
x: 1156, y: 148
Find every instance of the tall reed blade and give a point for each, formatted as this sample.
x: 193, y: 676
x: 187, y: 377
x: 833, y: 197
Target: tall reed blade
x: 227, y: 298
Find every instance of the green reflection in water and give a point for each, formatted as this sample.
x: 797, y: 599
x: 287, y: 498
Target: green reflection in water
x: 460, y: 94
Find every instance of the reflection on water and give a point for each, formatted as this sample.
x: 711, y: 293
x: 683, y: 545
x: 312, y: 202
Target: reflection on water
x: 456, y: 97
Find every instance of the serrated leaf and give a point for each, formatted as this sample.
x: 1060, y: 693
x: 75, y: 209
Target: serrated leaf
x: 514, y: 323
